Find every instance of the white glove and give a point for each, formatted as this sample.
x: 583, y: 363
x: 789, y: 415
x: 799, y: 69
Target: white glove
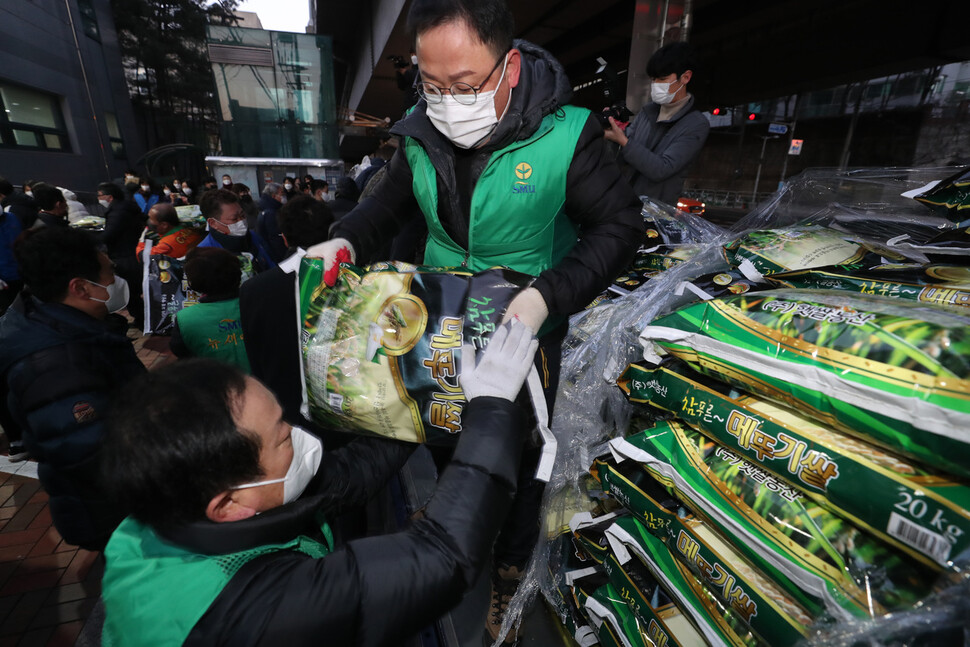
x: 503, y: 366
x: 333, y: 252
x: 530, y: 308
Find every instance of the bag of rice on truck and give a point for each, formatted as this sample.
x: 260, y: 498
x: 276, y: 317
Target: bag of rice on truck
x: 891, y: 372
x: 382, y: 348
x: 924, y: 513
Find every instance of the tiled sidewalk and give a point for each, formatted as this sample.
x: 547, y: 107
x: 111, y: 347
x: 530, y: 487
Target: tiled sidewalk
x: 48, y: 587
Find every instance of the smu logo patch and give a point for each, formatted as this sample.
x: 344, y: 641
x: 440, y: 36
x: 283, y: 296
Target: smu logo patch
x: 523, y: 171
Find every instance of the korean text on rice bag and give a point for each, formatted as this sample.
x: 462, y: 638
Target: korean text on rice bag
x: 924, y: 513
x: 770, y: 251
x: 891, y: 372
x: 382, y: 349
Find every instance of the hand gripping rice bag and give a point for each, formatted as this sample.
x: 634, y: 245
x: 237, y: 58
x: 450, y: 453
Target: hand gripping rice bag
x: 772, y: 608
x: 718, y: 623
x: 922, y: 512
x: 891, y: 372
x: 382, y: 349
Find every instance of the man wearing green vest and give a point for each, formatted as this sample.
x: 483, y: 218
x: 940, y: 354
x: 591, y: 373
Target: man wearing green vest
x: 228, y: 541
x: 505, y: 173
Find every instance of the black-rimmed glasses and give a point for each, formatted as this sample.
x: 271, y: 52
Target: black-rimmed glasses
x: 463, y: 93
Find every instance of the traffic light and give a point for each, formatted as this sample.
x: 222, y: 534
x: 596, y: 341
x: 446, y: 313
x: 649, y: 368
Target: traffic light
x: 753, y: 116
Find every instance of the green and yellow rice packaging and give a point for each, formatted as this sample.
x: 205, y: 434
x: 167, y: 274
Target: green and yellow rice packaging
x: 891, y: 372
x: 772, y: 608
x: 924, y: 513
x: 769, y: 251
x: 382, y: 349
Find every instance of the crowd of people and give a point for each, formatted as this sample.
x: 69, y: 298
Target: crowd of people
x: 207, y: 470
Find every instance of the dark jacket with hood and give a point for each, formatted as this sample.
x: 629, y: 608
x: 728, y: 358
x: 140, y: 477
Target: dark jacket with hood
x: 372, y: 591
x: 63, y: 367
x: 658, y: 154
x: 268, y: 226
x: 123, y: 224
x: 603, y: 207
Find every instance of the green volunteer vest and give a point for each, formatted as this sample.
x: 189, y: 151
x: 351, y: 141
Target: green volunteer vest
x: 517, y: 218
x: 155, y: 592
x: 214, y: 330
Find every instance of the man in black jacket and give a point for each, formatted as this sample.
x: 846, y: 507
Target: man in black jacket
x: 506, y: 173
x: 228, y: 541
x: 123, y: 225
x: 18, y: 203
x: 64, y: 357
x: 665, y: 137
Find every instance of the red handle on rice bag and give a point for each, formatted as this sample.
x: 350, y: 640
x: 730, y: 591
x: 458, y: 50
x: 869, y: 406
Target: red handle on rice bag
x: 330, y: 275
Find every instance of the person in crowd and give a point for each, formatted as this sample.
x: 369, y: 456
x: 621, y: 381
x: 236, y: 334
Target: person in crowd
x: 209, y: 183
x: 28, y: 187
x: 188, y: 190
x: 270, y: 203
x: 268, y: 309
x: 10, y: 282
x: 228, y: 229
x: 212, y: 475
x: 405, y: 74
x: 211, y: 327
x: 123, y: 225
x: 666, y: 136
x: 171, y: 237
x: 130, y: 184
x: 289, y: 184
x: 63, y: 356
x: 320, y: 190
x: 51, y: 205
x: 226, y: 181
x: 171, y: 194
x: 145, y: 197
x: 75, y: 210
x: 506, y: 172
x: 18, y: 203
x: 377, y: 161
x: 346, y: 197
x: 248, y: 204
x: 307, y: 184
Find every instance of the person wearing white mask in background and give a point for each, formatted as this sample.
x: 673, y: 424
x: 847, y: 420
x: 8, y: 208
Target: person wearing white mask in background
x: 188, y: 190
x: 64, y: 355
x: 213, y: 474
x: 227, y: 181
x: 145, y: 197
x: 226, y: 221
x: 505, y: 172
x: 664, y: 139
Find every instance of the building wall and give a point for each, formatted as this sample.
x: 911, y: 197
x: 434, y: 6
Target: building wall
x: 39, y: 52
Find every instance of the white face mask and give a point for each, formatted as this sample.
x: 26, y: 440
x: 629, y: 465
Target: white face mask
x: 660, y: 92
x: 117, y: 294
x: 28, y: 192
x: 104, y: 203
x: 468, y: 126
x: 186, y: 190
x: 227, y: 183
x: 145, y: 188
x: 307, y: 454
x: 414, y: 59
x: 288, y: 187
x: 167, y: 191
x: 238, y: 228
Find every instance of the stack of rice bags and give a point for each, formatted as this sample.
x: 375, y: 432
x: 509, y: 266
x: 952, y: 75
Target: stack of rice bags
x: 812, y: 466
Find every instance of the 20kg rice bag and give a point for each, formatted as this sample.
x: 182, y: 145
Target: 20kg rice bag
x: 924, y: 513
x: 796, y: 248
x: 951, y: 197
x: 889, y: 371
x: 772, y: 608
x: 382, y: 349
x: 718, y: 623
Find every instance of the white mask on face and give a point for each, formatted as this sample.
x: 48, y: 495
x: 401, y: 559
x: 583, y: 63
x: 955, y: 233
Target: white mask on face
x: 468, y: 126
x: 660, y: 92
x: 117, y: 294
x: 167, y: 191
x: 307, y: 454
x: 288, y: 187
x: 186, y: 190
x: 104, y: 203
x: 145, y: 188
x: 227, y: 183
x: 28, y: 192
x: 414, y: 59
x: 238, y: 228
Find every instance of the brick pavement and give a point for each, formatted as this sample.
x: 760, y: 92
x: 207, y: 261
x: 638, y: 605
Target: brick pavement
x: 48, y: 588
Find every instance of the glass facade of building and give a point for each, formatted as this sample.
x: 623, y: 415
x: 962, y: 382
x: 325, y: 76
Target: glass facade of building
x: 275, y: 93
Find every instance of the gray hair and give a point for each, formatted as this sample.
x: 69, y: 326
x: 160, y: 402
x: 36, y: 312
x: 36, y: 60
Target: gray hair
x: 272, y: 188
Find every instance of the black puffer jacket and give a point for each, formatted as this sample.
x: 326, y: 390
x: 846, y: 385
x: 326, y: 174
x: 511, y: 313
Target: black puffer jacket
x: 373, y: 591
x: 63, y: 368
x: 597, y: 200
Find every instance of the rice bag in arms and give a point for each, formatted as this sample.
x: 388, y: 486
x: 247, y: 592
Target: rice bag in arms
x: 891, y: 372
x: 382, y: 348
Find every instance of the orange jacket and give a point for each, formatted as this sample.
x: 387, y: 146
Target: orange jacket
x: 176, y: 243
